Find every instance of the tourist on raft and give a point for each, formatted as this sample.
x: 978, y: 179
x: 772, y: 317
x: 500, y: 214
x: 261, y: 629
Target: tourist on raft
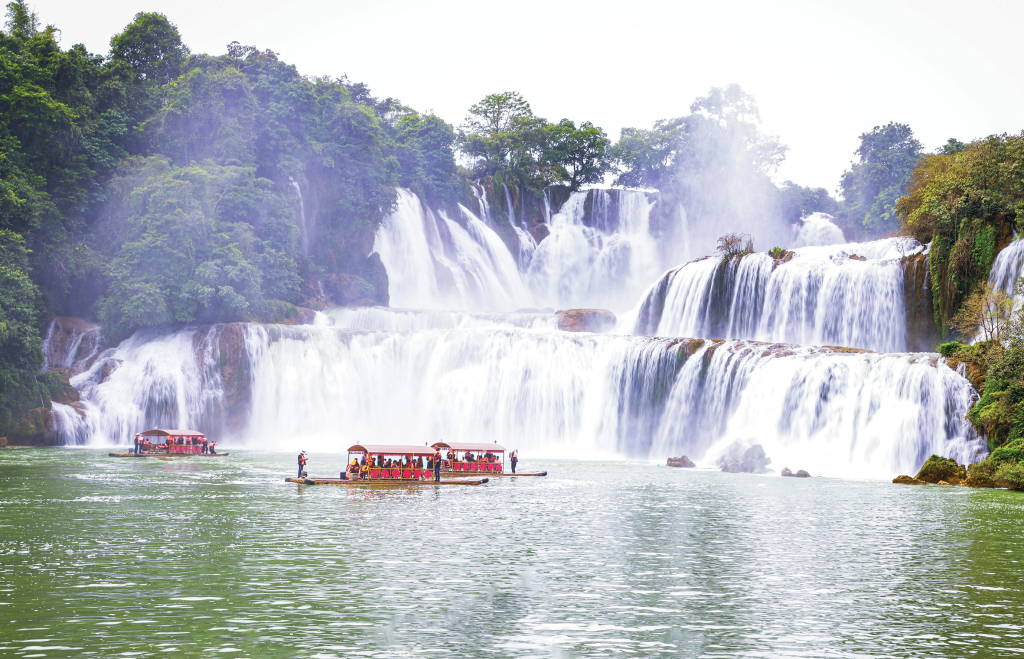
x: 514, y: 458
x: 302, y: 463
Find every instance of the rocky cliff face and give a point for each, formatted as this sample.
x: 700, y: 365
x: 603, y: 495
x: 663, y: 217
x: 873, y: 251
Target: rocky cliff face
x: 922, y: 334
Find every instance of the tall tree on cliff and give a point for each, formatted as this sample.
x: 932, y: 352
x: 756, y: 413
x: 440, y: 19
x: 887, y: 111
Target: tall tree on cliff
x: 886, y: 157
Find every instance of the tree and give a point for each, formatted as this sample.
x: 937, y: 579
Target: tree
x: 871, y: 187
x: 579, y: 155
x: 501, y: 134
x: 152, y: 47
x: 987, y: 313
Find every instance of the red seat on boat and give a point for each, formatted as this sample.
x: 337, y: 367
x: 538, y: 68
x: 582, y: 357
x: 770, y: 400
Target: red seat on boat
x: 395, y: 473
x: 407, y: 473
x: 418, y: 473
x: 374, y: 473
x: 385, y: 473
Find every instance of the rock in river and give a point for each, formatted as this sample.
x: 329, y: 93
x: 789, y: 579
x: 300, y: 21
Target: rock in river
x: 681, y: 462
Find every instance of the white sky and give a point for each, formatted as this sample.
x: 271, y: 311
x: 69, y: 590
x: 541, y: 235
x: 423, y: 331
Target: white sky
x: 823, y: 72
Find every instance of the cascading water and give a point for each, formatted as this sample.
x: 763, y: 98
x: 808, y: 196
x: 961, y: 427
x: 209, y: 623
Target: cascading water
x: 465, y: 369
x: 821, y: 296
x: 817, y: 229
x: 302, y: 216
x: 606, y: 265
x: 544, y: 391
x: 435, y: 262
x: 1007, y: 267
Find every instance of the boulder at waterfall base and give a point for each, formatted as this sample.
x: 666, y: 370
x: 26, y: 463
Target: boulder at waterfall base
x: 586, y: 320
x: 799, y: 474
x: 937, y: 469
x: 681, y: 461
x: 907, y: 480
x: 753, y: 461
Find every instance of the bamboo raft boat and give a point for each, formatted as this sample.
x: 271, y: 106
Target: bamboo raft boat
x: 176, y: 444
x: 309, y: 480
x: 461, y: 460
x: 161, y: 454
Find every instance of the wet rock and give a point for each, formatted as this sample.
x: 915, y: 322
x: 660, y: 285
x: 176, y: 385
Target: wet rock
x: 907, y: 480
x: 786, y: 472
x: 71, y: 343
x: 236, y: 375
x: 540, y: 232
x: 109, y: 366
x: 943, y: 483
x: 377, y: 276
x: 854, y: 257
x: 802, y: 474
x: 586, y: 320
x: 937, y: 469
x: 799, y: 474
x: 753, y: 461
x: 348, y: 290
x: 681, y: 461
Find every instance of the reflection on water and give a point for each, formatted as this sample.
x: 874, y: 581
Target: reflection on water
x: 108, y: 557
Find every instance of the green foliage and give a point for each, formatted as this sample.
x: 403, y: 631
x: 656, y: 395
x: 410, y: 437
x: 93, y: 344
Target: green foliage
x: 871, y: 187
x: 198, y: 243
x: 948, y: 348
x: 777, y: 252
x: 151, y: 47
x: 967, y: 202
x: 509, y: 144
x: 1011, y: 474
x: 797, y: 202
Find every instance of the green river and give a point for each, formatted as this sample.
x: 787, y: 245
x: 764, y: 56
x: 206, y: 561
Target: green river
x: 220, y: 557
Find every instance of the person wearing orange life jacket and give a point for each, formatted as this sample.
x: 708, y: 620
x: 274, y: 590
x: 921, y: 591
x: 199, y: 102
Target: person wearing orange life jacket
x: 302, y: 463
x: 437, y: 465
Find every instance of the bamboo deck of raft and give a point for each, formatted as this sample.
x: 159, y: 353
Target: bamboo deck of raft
x: 168, y: 455
x: 386, y: 481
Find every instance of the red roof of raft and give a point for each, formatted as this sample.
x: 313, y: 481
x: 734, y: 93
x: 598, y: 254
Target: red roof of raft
x: 172, y: 433
x: 462, y: 446
x: 390, y: 449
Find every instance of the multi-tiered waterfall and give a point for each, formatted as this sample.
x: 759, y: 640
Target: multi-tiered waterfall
x: 469, y: 357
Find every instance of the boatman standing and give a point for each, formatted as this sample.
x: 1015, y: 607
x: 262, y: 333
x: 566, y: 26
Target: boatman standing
x: 302, y: 463
x: 514, y: 458
x: 437, y: 465
x: 138, y: 445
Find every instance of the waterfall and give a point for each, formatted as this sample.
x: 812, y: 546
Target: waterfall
x: 70, y: 341
x: 820, y: 296
x: 435, y: 262
x: 817, y: 229
x: 1007, y: 267
x: 547, y: 392
x: 606, y: 265
x: 155, y: 381
x: 302, y: 216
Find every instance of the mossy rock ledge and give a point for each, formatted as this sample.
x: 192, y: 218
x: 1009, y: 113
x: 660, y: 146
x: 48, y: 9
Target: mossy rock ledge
x: 1002, y: 469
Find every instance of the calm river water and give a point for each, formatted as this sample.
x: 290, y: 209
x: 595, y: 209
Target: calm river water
x: 117, y: 557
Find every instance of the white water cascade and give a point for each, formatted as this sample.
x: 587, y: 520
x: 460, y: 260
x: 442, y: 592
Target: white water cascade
x: 547, y: 392
x: 821, y: 296
x: 605, y: 265
x: 1007, y: 267
x: 435, y: 262
x: 817, y: 229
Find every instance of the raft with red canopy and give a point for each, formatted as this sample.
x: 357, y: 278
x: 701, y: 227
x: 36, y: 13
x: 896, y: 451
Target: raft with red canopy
x: 172, y: 443
x: 472, y: 457
x: 393, y: 461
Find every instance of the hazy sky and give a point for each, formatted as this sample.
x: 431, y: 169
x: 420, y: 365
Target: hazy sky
x: 823, y: 72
